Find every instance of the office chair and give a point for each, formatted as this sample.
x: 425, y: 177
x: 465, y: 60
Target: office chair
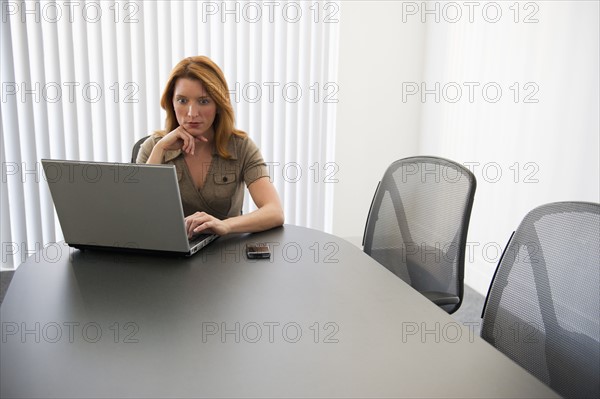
x: 136, y: 148
x: 543, y: 306
x: 417, y: 225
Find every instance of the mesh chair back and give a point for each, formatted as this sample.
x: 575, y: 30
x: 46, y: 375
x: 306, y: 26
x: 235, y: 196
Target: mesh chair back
x: 543, y: 308
x: 136, y: 149
x: 417, y: 225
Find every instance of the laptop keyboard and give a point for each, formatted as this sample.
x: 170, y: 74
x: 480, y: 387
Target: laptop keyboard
x: 198, y: 238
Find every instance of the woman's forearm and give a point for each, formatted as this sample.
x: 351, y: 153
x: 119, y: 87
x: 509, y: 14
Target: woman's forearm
x: 157, y: 155
x: 264, y: 218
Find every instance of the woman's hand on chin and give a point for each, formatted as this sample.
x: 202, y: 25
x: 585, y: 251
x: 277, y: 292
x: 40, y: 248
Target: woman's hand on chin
x: 180, y: 139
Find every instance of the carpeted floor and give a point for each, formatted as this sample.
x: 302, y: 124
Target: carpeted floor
x: 470, y: 310
x: 5, y: 277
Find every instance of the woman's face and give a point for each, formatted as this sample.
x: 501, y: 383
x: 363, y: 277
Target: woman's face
x: 194, y: 109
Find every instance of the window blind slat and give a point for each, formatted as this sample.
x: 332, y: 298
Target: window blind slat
x: 136, y: 91
x: 126, y: 89
x: 180, y: 35
x: 26, y: 154
x: 83, y: 88
x: 153, y: 88
x: 165, y: 38
x: 42, y: 143
x: 66, y: 60
x: 190, y: 23
x: 101, y: 96
x: 111, y: 78
x: 12, y: 186
x: 56, y: 123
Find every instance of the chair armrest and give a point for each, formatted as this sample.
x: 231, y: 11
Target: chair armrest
x: 441, y: 298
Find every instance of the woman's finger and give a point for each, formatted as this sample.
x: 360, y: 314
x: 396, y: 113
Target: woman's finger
x: 189, y: 141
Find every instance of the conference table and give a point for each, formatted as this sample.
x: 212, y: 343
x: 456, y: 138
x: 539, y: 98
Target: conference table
x: 318, y: 319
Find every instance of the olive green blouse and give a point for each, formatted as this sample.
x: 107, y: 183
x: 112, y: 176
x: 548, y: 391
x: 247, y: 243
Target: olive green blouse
x: 222, y: 194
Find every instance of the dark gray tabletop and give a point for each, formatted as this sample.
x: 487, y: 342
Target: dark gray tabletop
x: 319, y: 319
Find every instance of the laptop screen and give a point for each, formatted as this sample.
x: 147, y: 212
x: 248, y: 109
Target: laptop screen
x: 118, y: 205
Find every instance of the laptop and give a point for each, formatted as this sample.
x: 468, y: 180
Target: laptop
x: 120, y: 206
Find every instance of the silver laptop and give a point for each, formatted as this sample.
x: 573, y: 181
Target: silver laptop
x: 120, y: 206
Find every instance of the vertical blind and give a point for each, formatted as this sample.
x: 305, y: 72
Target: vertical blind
x: 82, y: 81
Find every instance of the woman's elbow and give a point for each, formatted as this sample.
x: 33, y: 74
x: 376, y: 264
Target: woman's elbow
x: 279, y: 217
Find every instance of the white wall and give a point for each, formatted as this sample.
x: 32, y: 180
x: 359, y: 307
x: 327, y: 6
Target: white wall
x: 374, y: 127
x: 546, y: 150
x: 525, y: 152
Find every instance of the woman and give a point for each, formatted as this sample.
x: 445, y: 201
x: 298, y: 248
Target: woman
x: 213, y: 160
